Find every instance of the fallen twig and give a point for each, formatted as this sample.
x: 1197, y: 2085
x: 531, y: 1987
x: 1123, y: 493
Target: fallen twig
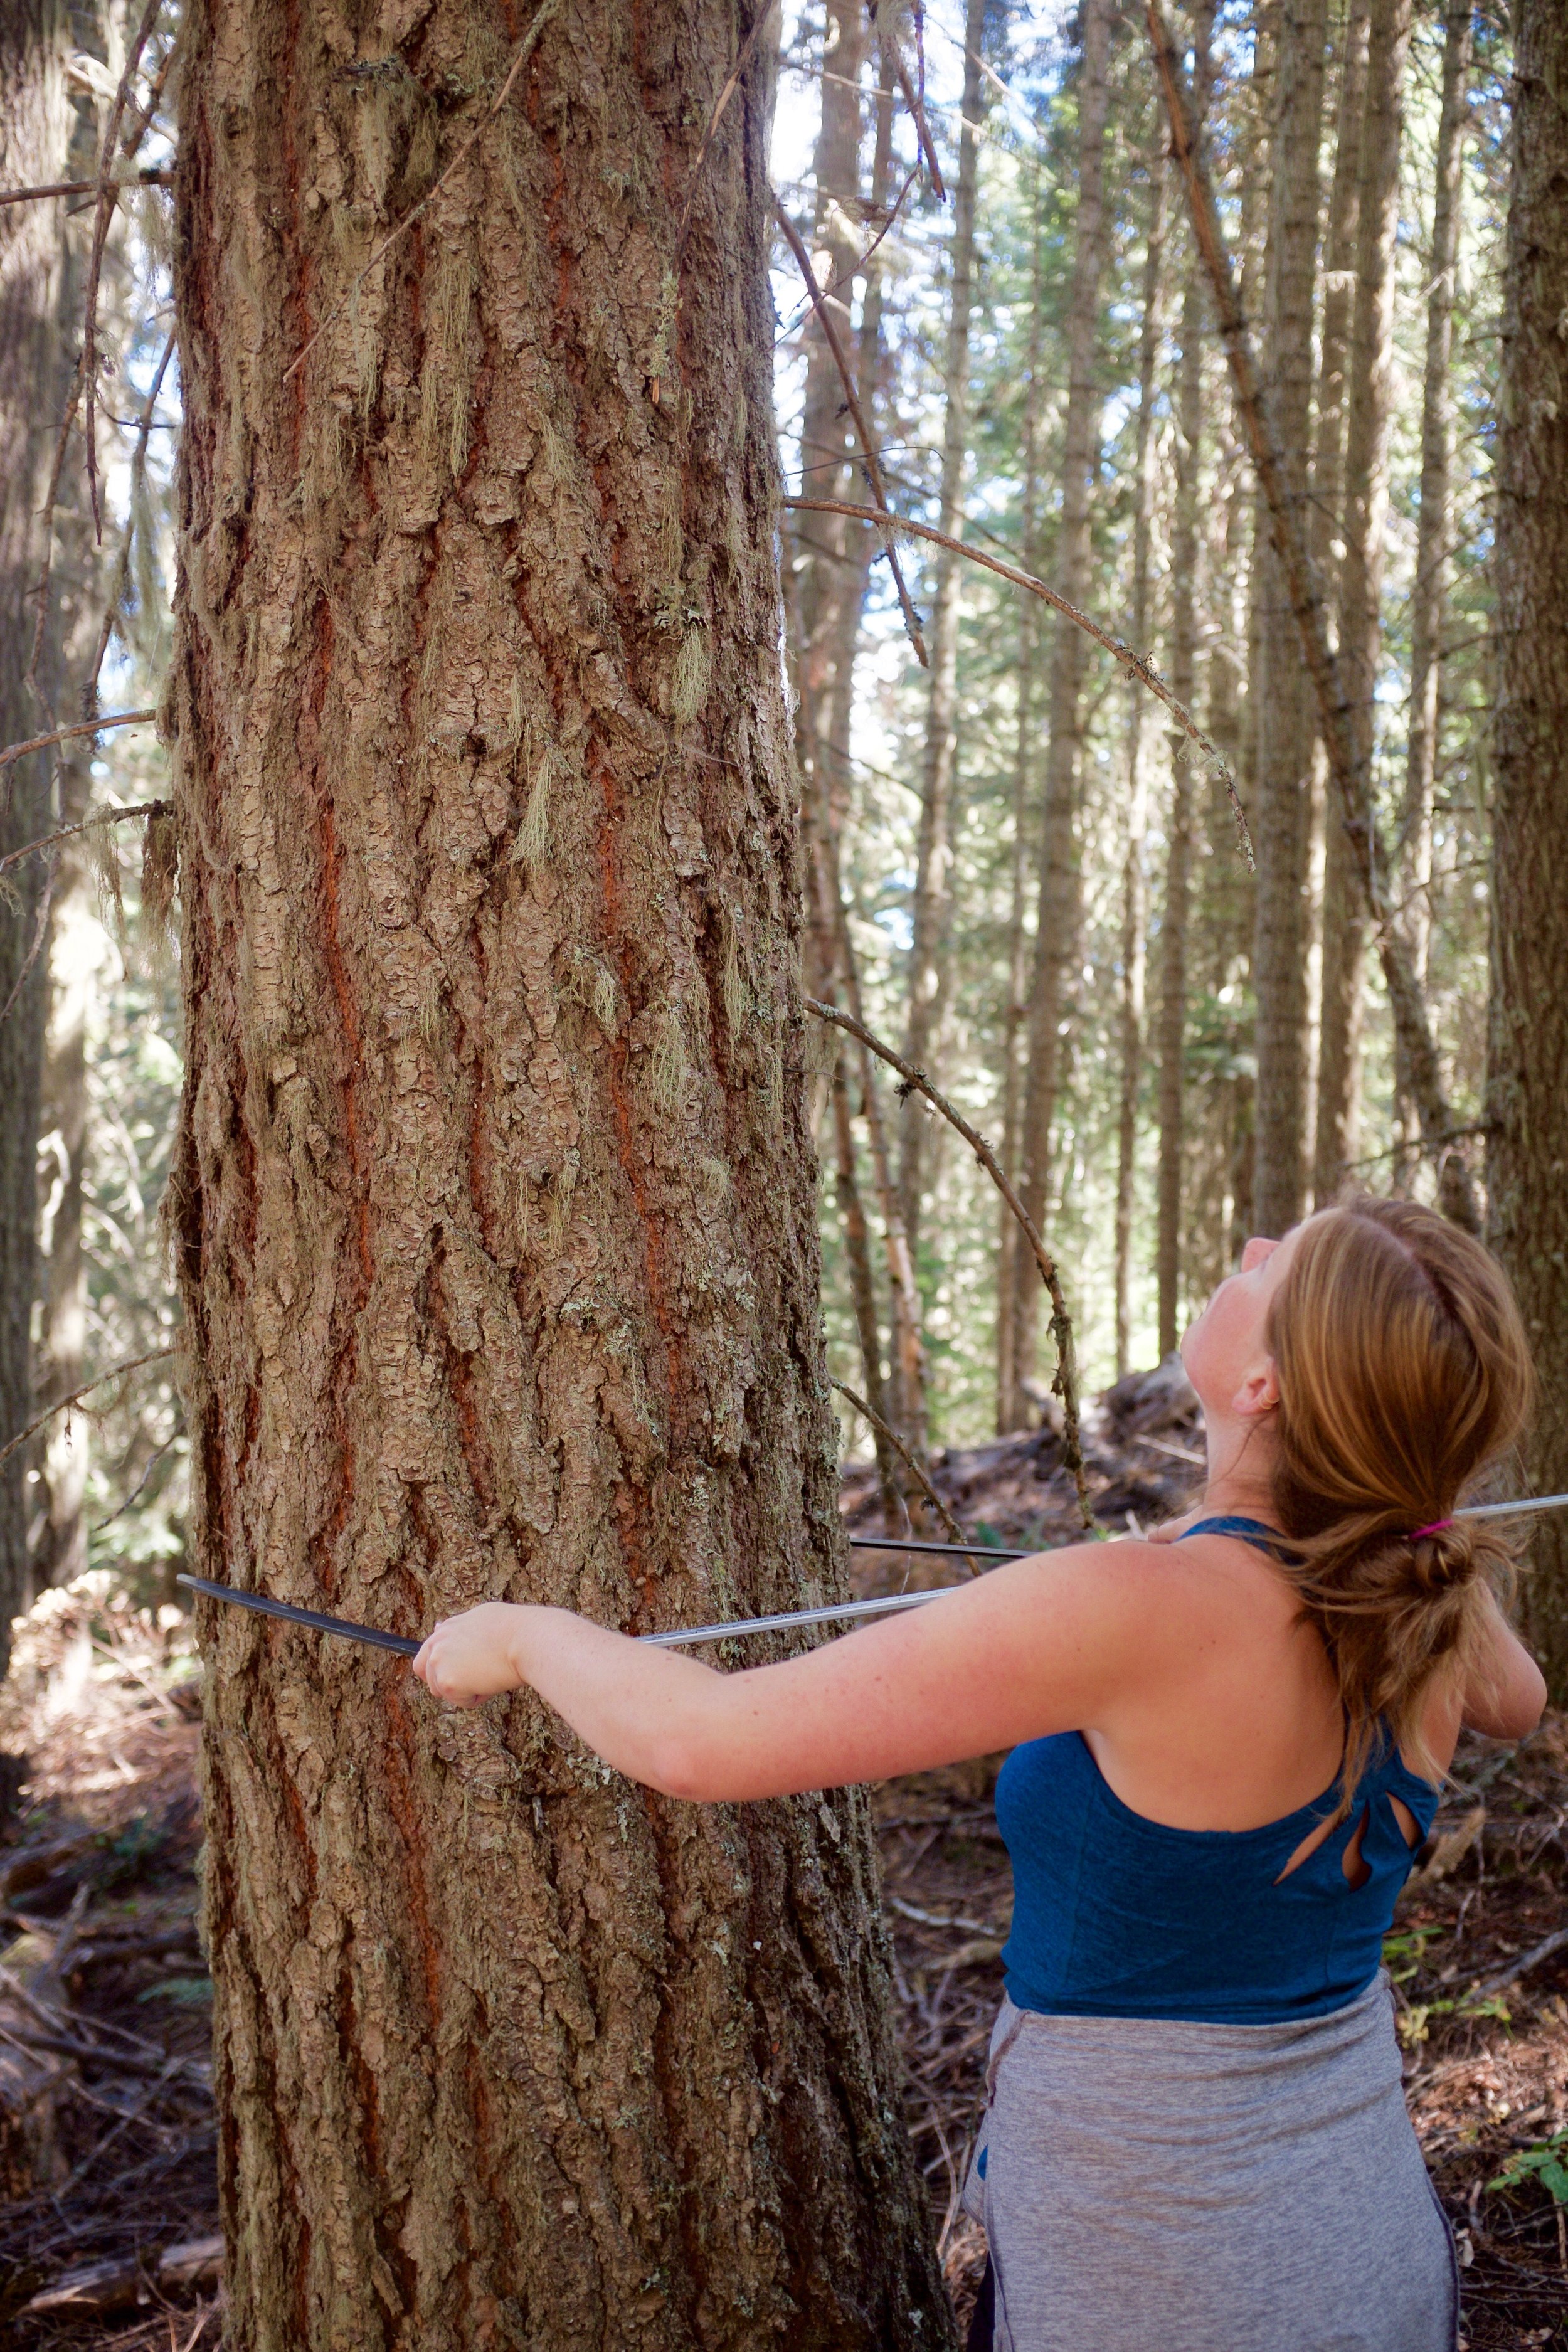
x: 883, y: 517
x: 155, y: 1356
x: 1501, y: 1978
x: 525, y: 49
x: 1064, y: 1384
x: 1137, y: 665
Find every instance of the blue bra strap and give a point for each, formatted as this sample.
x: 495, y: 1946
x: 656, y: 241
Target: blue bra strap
x: 1250, y: 1531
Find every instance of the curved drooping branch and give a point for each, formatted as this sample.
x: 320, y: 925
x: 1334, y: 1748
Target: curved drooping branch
x: 1064, y: 1384
x: 1137, y: 665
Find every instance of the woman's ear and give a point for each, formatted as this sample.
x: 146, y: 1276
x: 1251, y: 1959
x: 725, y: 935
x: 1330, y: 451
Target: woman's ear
x: 1259, y: 1393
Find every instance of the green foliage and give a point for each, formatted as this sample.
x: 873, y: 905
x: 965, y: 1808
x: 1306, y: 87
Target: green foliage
x: 1546, y: 2162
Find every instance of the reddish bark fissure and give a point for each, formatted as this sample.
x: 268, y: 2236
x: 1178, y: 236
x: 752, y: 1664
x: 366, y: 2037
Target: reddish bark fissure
x: 494, y: 1199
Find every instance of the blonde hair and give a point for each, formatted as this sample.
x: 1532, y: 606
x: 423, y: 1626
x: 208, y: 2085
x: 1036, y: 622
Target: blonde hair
x: 1403, y: 1372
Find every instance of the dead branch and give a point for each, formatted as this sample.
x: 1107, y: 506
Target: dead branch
x: 524, y: 50
x: 907, y: 1455
x: 1064, y: 1384
x: 14, y: 751
x: 1137, y: 665
x: 155, y: 1356
x: 155, y: 175
x: 1501, y: 1978
x: 87, y: 824
x: 873, y: 466
x: 108, y: 196
x: 1406, y: 999
x: 917, y: 110
x: 122, y: 569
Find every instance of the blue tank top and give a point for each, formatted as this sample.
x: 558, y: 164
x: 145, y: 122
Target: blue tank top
x: 1116, y: 1916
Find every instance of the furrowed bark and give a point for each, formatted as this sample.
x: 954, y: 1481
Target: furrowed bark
x: 1361, y: 580
x: 493, y: 1204
x: 1527, y: 1096
x: 1408, y: 1003
x: 1056, y: 927
x: 931, y: 917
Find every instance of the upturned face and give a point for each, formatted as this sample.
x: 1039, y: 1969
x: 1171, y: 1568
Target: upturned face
x: 1226, y: 1350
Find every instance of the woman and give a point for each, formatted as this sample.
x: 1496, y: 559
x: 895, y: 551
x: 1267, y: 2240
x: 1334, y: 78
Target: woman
x: 1227, y: 1742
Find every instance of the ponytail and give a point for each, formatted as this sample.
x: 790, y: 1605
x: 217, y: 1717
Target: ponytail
x: 1404, y: 1374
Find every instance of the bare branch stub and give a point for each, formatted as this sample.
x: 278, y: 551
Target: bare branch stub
x: 1137, y: 665
x: 87, y: 824
x: 1065, y: 1383
x: 63, y: 1404
x: 14, y: 751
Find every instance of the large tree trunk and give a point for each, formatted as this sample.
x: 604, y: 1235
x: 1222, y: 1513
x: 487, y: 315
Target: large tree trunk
x: 1129, y: 1077
x: 1361, y: 580
x: 1056, y: 927
x: 1184, y: 546
x: 1282, y: 692
x: 494, y: 1199
x: 1429, y: 590
x: 931, y: 946
x: 34, y: 130
x: 1528, y: 1087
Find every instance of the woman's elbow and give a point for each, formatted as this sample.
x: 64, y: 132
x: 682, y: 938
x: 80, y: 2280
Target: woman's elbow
x: 1511, y: 1705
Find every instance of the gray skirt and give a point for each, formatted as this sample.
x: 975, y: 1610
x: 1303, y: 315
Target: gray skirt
x: 1209, y: 2187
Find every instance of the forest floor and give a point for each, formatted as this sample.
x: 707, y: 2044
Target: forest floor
x: 104, y: 1999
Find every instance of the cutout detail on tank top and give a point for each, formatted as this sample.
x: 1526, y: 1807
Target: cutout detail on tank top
x: 1409, y: 1827
x: 1355, y: 1865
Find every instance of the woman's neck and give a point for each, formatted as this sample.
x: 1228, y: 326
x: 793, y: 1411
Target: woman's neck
x: 1240, y: 1483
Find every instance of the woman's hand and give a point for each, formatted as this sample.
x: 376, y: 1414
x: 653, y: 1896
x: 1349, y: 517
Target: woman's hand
x: 475, y: 1656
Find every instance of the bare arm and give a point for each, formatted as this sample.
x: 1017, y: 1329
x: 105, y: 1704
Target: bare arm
x: 1506, y: 1694
x: 1034, y: 1647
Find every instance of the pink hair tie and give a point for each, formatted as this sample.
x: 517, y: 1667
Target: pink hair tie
x: 1435, y: 1528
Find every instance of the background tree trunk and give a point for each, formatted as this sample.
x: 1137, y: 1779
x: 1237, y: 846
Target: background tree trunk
x: 1184, y: 546
x: 493, y: 1201
x: 932, y: 913
x: 1009, y: 1238
x: 1361, y: 580
x: 1133, y: 892
x: 1430, y: 587
x: 1281, y: 692
x: 1528, y: 1080
x: 34, y: 369
x: 1056, y: 927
